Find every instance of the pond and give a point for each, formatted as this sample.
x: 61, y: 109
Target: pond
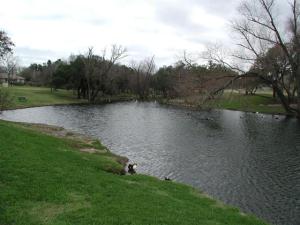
x: 247, y: 160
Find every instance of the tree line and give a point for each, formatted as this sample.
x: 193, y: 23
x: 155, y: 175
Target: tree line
x: 91, y: 76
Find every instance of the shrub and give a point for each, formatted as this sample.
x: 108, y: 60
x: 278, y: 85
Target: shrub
x: 5, y: 99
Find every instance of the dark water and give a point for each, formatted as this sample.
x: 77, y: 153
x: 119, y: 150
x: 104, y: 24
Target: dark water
x: 247, y: 160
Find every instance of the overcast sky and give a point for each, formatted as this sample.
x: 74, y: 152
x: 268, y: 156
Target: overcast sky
x: 55, y: 29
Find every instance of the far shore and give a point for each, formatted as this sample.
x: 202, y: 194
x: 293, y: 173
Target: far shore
x: 41, y: 96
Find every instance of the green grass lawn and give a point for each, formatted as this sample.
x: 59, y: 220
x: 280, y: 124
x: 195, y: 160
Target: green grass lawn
x: 39, y: 96
x: 47, y: 180
x: 263, y: 103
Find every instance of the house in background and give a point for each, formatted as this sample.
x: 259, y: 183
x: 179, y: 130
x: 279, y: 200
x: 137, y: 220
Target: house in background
x: 12, y: 79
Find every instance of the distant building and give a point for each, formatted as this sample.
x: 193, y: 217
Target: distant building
x: 11, y: 79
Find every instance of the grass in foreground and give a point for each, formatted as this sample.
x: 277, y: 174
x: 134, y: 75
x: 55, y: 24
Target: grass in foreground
x: 39, y: 96
x: 47, y: 180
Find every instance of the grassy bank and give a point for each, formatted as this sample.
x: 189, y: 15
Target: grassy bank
x: 67, y: 179
x: 40, y: 96
x: 261, y: 102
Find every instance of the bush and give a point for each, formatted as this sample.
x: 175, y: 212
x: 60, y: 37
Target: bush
x: 5, y: 99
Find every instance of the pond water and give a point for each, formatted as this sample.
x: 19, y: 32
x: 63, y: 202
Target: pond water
x: 247, y: 160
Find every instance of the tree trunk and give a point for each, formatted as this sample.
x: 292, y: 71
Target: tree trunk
x: 296, y: 74
x: 79, y: 93
x: 277, y: 91
x: 274, y: 93
x: 282, y: 98
x: 95, y: 94
x: 298, y: 92
x: 89, y: 90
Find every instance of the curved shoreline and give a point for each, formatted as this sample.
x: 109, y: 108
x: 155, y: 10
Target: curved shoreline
x: 84, y: 144
x: 65, y: 134
x: 182, y: 106
x: 198, y: 108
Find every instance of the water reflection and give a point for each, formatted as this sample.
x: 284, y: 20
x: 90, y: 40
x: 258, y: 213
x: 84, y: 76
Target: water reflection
x: 248, y: 160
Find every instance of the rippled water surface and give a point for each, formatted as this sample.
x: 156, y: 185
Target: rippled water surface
x: 247, y: 160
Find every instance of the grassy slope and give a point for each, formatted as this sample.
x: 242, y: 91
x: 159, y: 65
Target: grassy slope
x: 263, y: 103
x: 46, y: 180
x: 39, y: 96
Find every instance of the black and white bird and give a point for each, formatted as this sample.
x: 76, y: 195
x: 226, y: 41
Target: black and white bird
x: 132, y: 168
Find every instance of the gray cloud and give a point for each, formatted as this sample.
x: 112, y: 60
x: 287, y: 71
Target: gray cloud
x: 44, y: 17
x: 51, y: 29
x: 177, y: 17
x: 97, y: 21
x: 29, y: 55
x: 219, y: 7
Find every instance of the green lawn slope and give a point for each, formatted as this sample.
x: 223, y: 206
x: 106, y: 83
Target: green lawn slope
x: 260, y: 102
x: 263, y: 103
x: 40, y: 96
x: 65, y: 180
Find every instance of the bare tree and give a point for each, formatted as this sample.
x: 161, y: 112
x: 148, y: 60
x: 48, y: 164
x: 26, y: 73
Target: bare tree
x: 97, y: 69
x: 6, y: 45
x: 143, y: 71
x: 9, y: 63
x: 90, y: 65
x: 258, y: 30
